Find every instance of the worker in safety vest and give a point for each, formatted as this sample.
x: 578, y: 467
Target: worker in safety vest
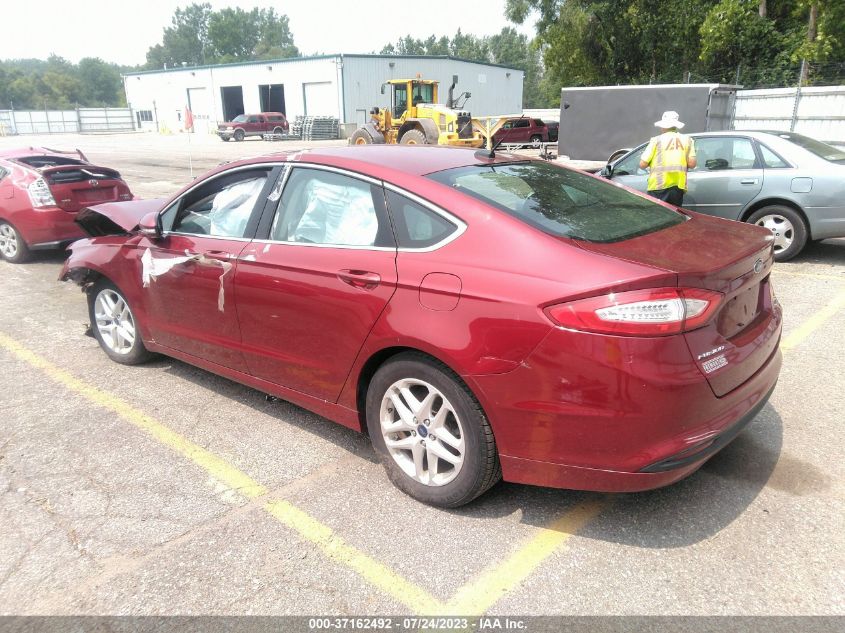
x: 667, y: 158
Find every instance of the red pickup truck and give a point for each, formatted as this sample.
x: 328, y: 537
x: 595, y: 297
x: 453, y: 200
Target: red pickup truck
x: 245, y: 125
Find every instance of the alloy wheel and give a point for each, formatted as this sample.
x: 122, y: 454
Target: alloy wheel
x: 422, y: 432
x: 8, y: 241
x: 114, y: 321
x: 781, y: 228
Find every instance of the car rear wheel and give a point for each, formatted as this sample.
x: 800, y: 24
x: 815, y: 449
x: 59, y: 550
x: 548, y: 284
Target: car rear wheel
x: 787, y: 227
x: 12, y: 246
x: 239, y: 135
x: 113, y: 324
x: 430, y: 433
x: 536, y: 141
x: 278, y: 130
x: 413, y: 137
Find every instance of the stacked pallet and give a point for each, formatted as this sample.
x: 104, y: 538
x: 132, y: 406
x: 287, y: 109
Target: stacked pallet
x: 315, y: 128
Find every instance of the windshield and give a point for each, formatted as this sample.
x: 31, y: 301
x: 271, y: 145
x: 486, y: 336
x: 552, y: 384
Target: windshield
x: 822, y: 150
x: 561, y: 202
x: 241, y: 118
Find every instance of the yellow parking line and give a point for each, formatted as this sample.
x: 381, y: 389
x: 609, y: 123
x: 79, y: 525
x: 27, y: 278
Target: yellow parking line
x: 477, y: 597
x: 474, y: 598
x: 314, y: 531
x: 789, y: 273
x: 813, y: 323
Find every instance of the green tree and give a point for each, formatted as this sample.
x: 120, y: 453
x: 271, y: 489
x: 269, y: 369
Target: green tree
x: 185, y: 41
x: 101, y: 82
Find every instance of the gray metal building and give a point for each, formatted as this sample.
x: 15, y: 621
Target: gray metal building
x: 342, y: 86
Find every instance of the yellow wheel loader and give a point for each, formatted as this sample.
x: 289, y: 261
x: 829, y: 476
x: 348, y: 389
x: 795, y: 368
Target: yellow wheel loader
x: 416, y: 118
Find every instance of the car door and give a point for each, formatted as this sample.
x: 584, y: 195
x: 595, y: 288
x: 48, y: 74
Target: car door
x: 188, y: 273
x: 311, y: 290
x: 728, y: 175
x: 254, y: 124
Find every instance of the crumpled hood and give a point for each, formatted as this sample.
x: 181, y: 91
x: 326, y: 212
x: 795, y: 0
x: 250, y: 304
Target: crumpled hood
x: 113, y: 218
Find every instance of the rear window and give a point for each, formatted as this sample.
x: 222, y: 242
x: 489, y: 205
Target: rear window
x: 276, y: 117
x: 48, y: 161
x: 822, y: 150
x: 561, y: 202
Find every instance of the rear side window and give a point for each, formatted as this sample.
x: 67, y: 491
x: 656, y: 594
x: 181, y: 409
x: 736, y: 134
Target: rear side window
x: 3, y: 173
x: 323, y: 207
x: 417, y: 226
x: 770, y: 159
x: 561, y: 202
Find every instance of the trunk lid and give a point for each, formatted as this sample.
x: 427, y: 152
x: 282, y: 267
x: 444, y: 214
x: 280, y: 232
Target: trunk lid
x: 77, y: 186
x: 116, y: 218
x: 729, y: 257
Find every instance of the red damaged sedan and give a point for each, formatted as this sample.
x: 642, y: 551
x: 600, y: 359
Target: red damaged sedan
x: 481, y: 318
x: 41, y: 191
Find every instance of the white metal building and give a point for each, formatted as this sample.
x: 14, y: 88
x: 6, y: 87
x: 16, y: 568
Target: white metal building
x: 342, y: 86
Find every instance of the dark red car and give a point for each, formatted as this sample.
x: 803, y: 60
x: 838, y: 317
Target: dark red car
x: 479, y: 317
x: 245, y: 125
x: 523, y: 131
x: 41, y: 191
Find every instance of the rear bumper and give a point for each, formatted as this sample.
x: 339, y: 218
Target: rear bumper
x: 48, y: 228
x: 614, y: 414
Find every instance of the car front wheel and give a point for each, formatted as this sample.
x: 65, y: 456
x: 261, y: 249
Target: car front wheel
x: 788, y: 229
x: 430, y: 433
x: 114, y: 326
x: 12, y: 246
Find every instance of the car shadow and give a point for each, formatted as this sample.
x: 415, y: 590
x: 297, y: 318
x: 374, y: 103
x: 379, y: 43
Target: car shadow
x: 679, y: 515
x: 824, y: 252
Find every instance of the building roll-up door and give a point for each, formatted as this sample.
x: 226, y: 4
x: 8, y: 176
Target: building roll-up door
x: 320, y: 99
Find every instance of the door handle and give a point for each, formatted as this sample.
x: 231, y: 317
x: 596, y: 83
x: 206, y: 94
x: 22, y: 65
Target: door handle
x: 218, y: 255
x: 748, y: 181
x: 359, y: 278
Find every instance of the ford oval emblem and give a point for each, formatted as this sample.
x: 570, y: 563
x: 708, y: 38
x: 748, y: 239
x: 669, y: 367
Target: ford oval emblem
x: 94, y: 183
x: 758, y: 266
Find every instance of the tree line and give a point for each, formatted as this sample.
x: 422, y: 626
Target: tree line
x: 577, y: 43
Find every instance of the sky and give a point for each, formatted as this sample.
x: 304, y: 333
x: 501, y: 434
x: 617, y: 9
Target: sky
x: 121, y: 31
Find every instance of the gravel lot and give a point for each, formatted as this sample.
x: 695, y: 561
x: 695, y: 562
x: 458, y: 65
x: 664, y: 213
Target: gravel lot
x: 108, y: 507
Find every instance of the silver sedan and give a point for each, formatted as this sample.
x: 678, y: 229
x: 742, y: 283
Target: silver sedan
x: 786, y: 182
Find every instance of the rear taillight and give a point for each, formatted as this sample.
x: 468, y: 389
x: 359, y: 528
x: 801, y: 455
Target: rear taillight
x: 651, y: 312
x: 40, y: 194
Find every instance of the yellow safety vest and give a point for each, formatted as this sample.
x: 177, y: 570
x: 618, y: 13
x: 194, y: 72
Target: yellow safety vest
x: 667, y: 156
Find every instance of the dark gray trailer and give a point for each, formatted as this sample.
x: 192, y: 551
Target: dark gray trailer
x: 597, y: 121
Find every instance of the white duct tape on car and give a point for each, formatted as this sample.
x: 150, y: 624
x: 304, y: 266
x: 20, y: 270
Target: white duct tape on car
x: 153, y: 267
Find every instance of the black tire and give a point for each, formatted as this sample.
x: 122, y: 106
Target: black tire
x: 536, y: 141
x: 13, y: 247
x: 225, y: 139
x: 413, y: 137
x: 788, y: 227
x: 278, y: 130
x: 239, y: 135
x: 618, y: 154
x: 480, y: 468
x: 361, y: 137
x: 132, y: 355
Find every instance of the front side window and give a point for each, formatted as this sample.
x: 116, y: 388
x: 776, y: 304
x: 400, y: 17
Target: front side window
x: 220, y: 208
x: 255, y: 119
x: 323, y: 207
x: 561, y: 202
x: 630, y: 165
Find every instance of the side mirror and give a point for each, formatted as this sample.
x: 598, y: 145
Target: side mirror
x: 148, y: 226
x: 382, y: 89
x: 607, y: 171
